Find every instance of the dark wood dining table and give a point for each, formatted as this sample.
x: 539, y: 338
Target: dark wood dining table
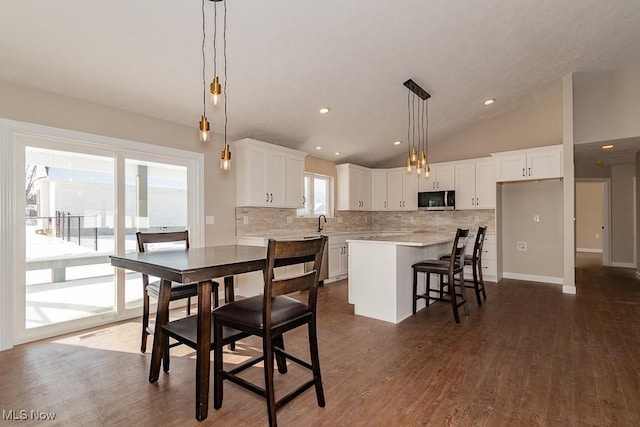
x: 190, y: 266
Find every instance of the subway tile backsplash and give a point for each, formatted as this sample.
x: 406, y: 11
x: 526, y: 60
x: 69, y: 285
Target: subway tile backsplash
x: 283, y: 222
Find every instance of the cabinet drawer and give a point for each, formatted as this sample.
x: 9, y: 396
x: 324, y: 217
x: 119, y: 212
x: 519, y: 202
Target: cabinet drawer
x: 488, y: 251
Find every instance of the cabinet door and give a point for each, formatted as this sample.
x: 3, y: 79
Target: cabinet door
x: 335, y: 260
x: 379, y: 190
x: 511, y: 167
x: 258, y: 181
x: 364, y: 190
x: 354, y: 200
x: 276, y: 178
x: 446, y: 178
x: 410, y: 190
x: 295, y: 182
x: 429, y: 184
x: 485, y: 185
x: 544, y: 164
x: 394, y: 189
x: 465, y: 180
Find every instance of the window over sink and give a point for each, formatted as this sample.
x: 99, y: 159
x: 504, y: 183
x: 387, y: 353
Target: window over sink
x: 318, y: 196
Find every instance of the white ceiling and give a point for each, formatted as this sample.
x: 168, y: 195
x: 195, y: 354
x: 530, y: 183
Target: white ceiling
x: 288, y: 58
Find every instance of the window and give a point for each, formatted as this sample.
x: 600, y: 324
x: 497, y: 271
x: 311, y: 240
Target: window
x: 318, y: 195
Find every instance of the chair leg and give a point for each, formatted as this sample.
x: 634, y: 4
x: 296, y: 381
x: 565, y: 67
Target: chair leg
x: 189, y: 306
x: 476, y: 285
x: 145, y: 320
x: 463, y: 292
x: 454, y: 302
x: 415, y: 290
x: 217, y: 365
x: 165, y: 353
x: 315, y: 362
x: 481, y: 280
x: 281, y: 361
x: 267, y: 346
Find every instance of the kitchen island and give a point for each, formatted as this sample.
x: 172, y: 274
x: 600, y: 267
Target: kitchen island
x: 380, y: 273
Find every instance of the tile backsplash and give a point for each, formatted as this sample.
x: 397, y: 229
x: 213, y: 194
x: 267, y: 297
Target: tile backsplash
x: 284, y: 222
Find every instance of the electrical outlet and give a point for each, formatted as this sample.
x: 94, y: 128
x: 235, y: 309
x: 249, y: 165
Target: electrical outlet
x: 521, y: 246
x: 597, y: 235
x: 536, y: 218
x: 289, y: 219
x: 245, y: 219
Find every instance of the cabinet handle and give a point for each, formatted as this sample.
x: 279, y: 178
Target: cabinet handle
x: 304, y: 201
x: 438, y: 184
x: 523, y: 172
x: 400, y: 204
x: 472, y: 202
x: 385, y: 204
x: 529, y: 171
x: 433, y: 185
x: 267, y: 201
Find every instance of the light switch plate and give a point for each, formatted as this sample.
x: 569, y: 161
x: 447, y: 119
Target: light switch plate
x: 521, y: 246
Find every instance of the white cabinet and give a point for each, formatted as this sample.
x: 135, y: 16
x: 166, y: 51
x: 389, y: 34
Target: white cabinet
x: 535, y: 163
x: 441, y: 177
x: 338, y: 260
x: 379, y: 190
x: 488, y: 259
x: 475, y: 184
x: 402, y: 190
x: 268, y: 175
x: 354, y: 188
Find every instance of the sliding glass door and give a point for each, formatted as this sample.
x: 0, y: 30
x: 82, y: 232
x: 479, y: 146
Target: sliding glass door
x: 83, y: 203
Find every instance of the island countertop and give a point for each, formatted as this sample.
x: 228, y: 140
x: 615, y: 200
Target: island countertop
x: 420, y: 239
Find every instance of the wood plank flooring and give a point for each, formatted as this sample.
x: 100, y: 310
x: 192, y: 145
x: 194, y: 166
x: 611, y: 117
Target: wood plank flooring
x: 529, y: 356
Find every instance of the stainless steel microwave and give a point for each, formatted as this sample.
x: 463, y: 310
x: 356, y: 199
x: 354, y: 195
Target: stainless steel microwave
x: 437, y: 200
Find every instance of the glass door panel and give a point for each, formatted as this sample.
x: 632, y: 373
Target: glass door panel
x: 69, y: 235
x: 155, y: 201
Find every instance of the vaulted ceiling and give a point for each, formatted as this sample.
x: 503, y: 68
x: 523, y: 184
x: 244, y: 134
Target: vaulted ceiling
x: 287, y: 59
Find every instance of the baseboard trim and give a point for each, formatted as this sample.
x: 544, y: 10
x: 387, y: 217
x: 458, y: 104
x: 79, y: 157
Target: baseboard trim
x: 624, y: 264
x: 534, y: 278
x: 566, y: 289
x: 590, y: 250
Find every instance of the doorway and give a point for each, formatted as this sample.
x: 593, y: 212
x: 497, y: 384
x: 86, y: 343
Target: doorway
x: 593, y: 207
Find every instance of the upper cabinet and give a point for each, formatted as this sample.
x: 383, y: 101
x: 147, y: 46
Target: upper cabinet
x: 475, y: 184
x: 402, y: 190
x: 268, y: 175
x: 393, y: 190
x: 534, y: 163
x: 441, y: 177
x: 354, y: 188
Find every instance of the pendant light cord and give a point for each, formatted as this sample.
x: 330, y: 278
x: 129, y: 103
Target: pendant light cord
x: 204, y: 83
x: 215, y: 37
x: 226, y: 83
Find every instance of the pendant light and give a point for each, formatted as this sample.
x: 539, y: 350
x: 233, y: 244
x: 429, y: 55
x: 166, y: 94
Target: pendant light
x: 418, y: 125
x: 225, y: 155
x: 215, y: 87
x: 204, y: 123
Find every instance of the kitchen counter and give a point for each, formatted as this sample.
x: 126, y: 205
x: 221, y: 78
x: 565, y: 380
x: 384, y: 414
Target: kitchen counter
x: 380, y: 273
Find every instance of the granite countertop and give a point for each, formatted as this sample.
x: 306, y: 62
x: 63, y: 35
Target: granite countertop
x: 412, y: 239
x: 312, y: 234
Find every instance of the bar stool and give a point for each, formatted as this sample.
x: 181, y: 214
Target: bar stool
x: 452, y: 267
x: 475, y: 261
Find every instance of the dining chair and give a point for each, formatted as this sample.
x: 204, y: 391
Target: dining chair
x: 475, y: 262
x: 452, y: 268
x: 269, y: 316
x: 147, y: 241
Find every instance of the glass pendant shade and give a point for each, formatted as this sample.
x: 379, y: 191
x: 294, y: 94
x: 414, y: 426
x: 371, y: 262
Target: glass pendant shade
x: 204, y: 129
x: 215, y: 89
x: 225, y: 158
x: 427, y: 170
x: 414, y: 154
x: 408, y: 164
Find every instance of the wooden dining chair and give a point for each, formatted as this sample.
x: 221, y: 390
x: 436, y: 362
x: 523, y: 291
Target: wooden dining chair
x: 146, y: 241
x: 475, y: 262
x: 451, y: 268
x: 269, y: 316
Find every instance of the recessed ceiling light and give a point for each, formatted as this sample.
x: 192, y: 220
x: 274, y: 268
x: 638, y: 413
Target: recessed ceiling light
x: 607, y: 147
x: 318, y: 148
x: 324, y: 110
x: 397, y: 143
x: 489, y: 101
x: 337, y: 153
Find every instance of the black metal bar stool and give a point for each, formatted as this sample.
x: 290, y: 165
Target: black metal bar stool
x: 452, y: 267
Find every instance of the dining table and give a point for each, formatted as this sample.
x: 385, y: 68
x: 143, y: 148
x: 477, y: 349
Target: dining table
x: 193, y: 265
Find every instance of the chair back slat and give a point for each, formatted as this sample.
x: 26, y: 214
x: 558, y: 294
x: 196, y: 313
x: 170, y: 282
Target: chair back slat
x: 293, y: 284
x: 459, y: 247
x: 145, y: 239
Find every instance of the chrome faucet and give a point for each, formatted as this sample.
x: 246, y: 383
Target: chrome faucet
x: 319, y: 224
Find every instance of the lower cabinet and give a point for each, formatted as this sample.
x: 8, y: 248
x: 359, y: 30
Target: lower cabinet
x: 338, y: 261
x: 489, y: 259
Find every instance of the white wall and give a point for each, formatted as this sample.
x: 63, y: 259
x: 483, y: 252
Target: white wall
x: 589, y: 218
x: 622, y: 216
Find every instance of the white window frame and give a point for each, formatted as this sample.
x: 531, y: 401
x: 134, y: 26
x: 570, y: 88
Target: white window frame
x: 309, y: 198
x: 13, y: 204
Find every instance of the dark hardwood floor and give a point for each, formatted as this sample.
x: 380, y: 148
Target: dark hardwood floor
x: 530, y: 356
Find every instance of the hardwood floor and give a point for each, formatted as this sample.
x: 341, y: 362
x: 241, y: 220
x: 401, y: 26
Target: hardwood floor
x: 529, y: 356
